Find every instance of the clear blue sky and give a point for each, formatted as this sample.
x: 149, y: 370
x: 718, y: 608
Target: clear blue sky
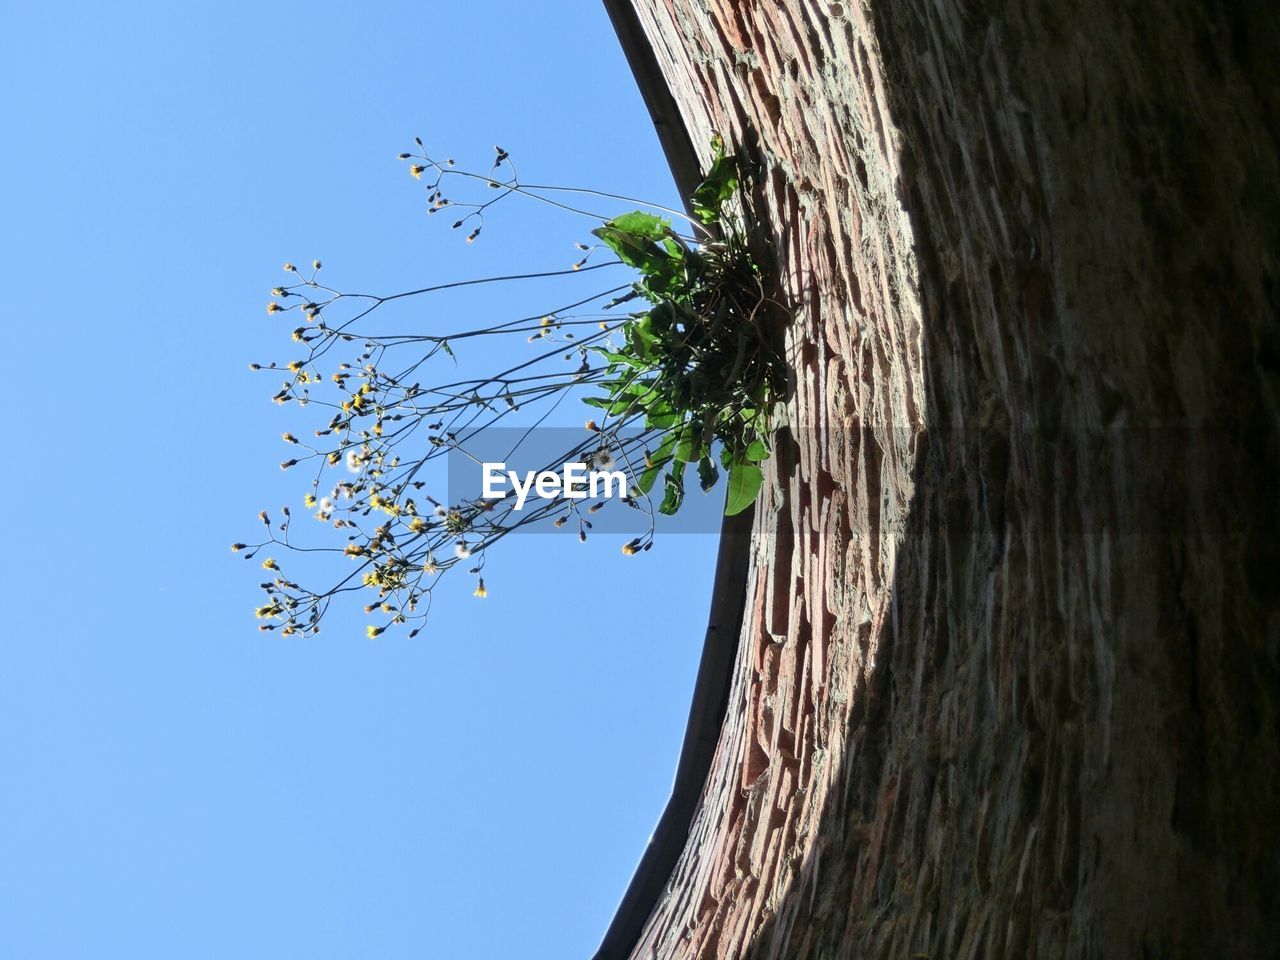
x: 176, y: 784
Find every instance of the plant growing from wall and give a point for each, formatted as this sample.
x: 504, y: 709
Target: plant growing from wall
x: 689, y: 377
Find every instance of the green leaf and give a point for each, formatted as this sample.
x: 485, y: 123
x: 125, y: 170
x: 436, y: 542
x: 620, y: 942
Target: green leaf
x: 659, y: 458
x: 663, y: 453
x: 621, y: 358
x: 720, y: 183
x: 757, y: 452
x: 641, y: 224
x: 745, y: 480
x: 635, y: 251
x: 707, y: 474
x: 687, y: 449
x: 612, y: 406
x: 661, y: 419
x: 675, y: 491
x: 646, y: 481
x: 632, y: 237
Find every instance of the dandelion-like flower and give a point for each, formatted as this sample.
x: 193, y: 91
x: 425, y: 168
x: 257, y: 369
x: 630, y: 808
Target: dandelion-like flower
x: 461, y: 550
x: 269, y: 564
x: 441, y: 511
x: 371, y: 631
x: 429, y: 565
x: 353, y: 461
x: 602, y: 459
x: 480, y: 590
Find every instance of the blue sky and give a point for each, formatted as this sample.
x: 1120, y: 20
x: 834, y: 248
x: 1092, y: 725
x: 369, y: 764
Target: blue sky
x: 176, y: 784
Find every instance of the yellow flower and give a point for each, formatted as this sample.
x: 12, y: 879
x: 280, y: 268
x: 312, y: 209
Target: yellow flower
x: 309, y: 500
x: 417, y: 170
x: 480, y: 590
x: 237, y: 547
x: 269, y: 564
x: 290, y: 268
x: 373, y: 631
x: 353, y: 550
x: 274, y: 307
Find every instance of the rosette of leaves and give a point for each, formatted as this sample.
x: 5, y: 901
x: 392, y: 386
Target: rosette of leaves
x: 700, y: 364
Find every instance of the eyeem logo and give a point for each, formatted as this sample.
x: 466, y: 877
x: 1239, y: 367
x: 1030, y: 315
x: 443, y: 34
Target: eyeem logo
x: 480, y: 465
x: 575, y: 481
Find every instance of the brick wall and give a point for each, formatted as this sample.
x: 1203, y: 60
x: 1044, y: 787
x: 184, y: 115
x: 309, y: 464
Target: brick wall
x: 1009, y: 678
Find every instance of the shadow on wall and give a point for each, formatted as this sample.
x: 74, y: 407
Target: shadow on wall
x: 1064, y: 740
